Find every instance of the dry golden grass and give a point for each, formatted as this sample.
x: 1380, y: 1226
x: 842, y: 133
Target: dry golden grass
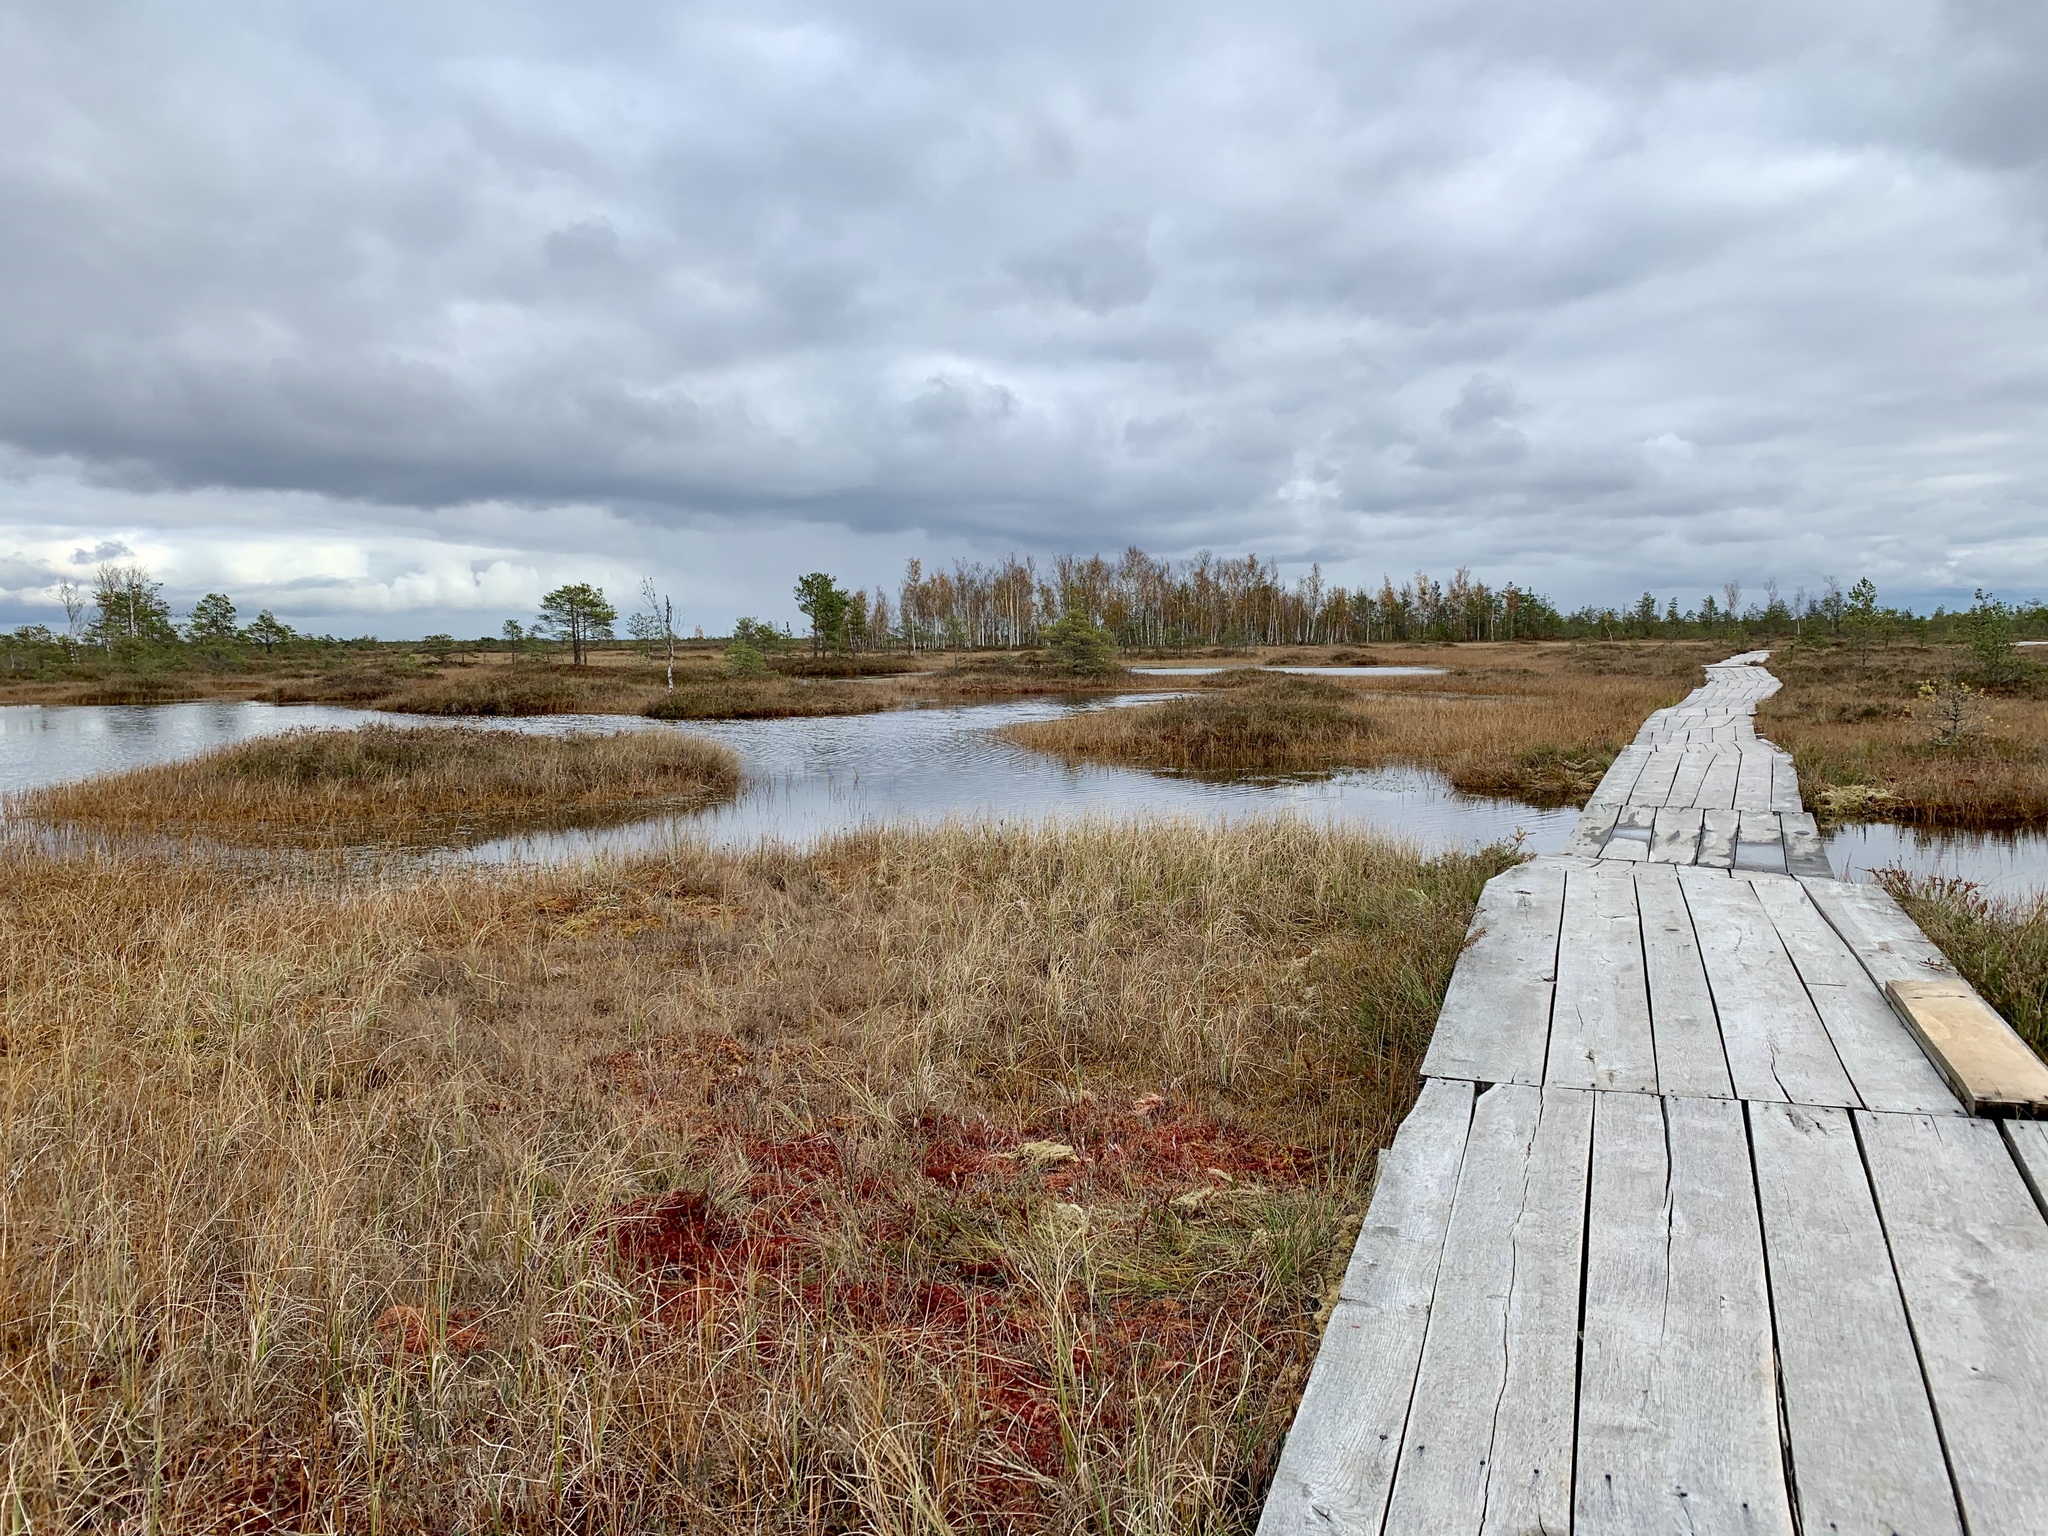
x: 698, y: 1193
x: 415, y: 786
x: 1536, y: 722
x: 1864, y: 742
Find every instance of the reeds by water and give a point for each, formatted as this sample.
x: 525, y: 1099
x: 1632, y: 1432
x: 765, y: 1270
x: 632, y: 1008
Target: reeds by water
x: 702, y: 1192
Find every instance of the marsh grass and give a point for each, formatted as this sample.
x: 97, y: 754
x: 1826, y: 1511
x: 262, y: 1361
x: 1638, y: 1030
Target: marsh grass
x: 687, y: 1194
x: 1869, y: 747
x: 385, y: 784
x: 1540, y: 725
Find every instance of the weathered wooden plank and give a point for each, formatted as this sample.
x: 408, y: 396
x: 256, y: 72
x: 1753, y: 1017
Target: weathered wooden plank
x: 1686, y: 1035
x: 1675, y: 836
x: 1887, y: 1066
x: 1589, y: 836
x: 1717, y: 784
x: 1678, y: 1413
x: 1600, y: 1020
x: 1971, y: 1250
x: 1717, y: 838
x: 1338, y: 1464
x: 1620, y: 778
x: 1494, y: 1026
x: 1777, y: 1047
x: 1654, y: 785
x: 1753, y: 779
x: 1488, y: 1446
x: 1805, y: 854
x: 1626, y: 848
x: 1692, y: 769
x: 1865, y: 1454
x: 1992, y: 1070
x: 1883, y: 939
x: 1784, y: 784
x: 1758, y: 843
x: 2028, y: 1140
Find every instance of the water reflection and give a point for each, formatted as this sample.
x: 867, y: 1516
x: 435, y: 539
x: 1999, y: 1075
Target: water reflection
x: 812, y: 778
x: 2003, y: 863
x: 1297, y: 671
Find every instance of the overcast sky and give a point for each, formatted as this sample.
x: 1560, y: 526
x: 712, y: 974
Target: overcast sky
x: 390, y: 316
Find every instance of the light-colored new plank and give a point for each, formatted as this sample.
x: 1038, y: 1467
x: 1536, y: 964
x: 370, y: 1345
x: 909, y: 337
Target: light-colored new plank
x: 1777, y: 1047
x: 1887, y: 1066
x: 1678, y: 1413
x: 1488, y: 1447
x: 1865, y: 1455
x: 1805, y: 854
x: 1494, y: 1026
x: 1884, y: 940
x: 1971, y: 1250
x: 1675, y: 837
x: 1717, y: 838
x: 1992, y: 1070
x: 1686, y: 1035
x: 1600, y: 1020
x: 1338, y: 1464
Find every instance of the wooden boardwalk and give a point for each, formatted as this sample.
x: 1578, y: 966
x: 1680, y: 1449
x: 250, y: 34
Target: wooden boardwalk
x: 1686, y: 1233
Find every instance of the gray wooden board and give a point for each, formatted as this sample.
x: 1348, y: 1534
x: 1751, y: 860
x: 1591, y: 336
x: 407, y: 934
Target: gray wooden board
x: 1865, y: 1454
x: 1494, y: 1026
x: 1717, y: 785
x: 1620, y: 777
x: 1654, y: 787
x: 1804, y: 852
x: 1600, y: 1020
x: 1636, y: 818
x: 1758, y: 842
x: 1883, y: 1060
x: 1627, y: 849
x: 1777, y: 1047
x: 2029, y: 1142
x: 1717, y: 838
x: 1971, y: 1250
x: 1753, y: 780
x: 1784, y: 784
x: 1678, y: 1413
x: 1884, y: 940
x: 1692, y: 768
x: 1675, y: 836
x: 1590, y: 832
x: 1686, y: 1034
x: 1488, y: 1446
x: 1338, y: 1463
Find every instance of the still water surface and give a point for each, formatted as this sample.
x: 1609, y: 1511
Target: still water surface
x: 812, y: 778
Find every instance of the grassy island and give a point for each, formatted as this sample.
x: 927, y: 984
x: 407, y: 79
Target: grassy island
x: 395, y: 784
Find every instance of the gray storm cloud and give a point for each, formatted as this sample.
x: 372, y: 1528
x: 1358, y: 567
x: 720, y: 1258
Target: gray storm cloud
x: 401, y: 309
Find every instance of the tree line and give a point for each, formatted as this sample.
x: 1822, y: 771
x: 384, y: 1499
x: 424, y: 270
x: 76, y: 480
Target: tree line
x: 1136, y: 601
